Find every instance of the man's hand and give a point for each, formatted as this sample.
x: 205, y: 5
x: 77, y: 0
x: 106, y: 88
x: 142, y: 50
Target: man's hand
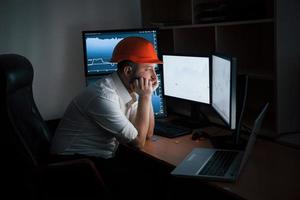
x: 155, y: 85
x: 142, y: 86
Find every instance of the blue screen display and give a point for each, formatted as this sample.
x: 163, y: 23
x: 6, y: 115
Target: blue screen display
x: 99, y: 46
x: 158, y: 99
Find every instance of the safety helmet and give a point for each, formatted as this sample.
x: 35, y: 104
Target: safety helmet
x: 135, y: 49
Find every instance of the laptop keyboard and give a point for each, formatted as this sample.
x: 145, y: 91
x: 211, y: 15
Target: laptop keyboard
x: 219, y: 163
x: 169, y: 130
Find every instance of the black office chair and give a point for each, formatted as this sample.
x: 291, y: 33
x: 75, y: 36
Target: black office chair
x: 25, y: 140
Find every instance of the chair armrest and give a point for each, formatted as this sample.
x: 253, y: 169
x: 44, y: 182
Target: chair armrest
x: 83, y: 165
x: 79, y: 178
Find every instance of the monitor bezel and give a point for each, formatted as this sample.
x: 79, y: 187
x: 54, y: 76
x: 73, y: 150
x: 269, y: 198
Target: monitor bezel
x: 233, y: 96
x: 209, y: 63
x: 83, y: 33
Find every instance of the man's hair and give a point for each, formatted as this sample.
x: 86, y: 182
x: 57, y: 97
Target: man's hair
x: 125, y: 63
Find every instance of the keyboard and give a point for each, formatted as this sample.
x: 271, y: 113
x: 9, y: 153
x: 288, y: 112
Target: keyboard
x: 219, y: 163
x: 166, y: 129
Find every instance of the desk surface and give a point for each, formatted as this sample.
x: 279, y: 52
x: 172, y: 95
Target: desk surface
x: 272, y: 171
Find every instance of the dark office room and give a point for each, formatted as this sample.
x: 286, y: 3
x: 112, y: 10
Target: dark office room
x: 150, y: 99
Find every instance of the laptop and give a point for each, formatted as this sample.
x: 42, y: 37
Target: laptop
x: 218, y: 164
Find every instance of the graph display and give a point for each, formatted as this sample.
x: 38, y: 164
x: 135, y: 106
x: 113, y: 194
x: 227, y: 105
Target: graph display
x: 99, y: 46
x: 221, y: 87
x: 157, y: 99
x: 187, y: 77
x: 224, y: 88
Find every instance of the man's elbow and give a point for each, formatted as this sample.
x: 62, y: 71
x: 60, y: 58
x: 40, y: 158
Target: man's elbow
x: 139, y: 143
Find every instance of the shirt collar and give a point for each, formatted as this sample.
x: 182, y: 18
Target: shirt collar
x: 121, y: 89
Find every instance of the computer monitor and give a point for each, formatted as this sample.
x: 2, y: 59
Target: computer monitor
x: 187, y: 77
x: 158, y: 100
x: 187, y: 83
x: 224, y: 88
x: 98, y: 47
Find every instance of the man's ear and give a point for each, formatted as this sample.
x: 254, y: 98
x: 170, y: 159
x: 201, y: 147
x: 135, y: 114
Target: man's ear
x: 127, y: 70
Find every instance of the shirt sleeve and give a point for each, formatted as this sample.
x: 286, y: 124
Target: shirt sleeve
x: 106, y: 112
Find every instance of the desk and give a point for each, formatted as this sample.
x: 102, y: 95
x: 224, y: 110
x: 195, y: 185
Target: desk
x: 272, y: 171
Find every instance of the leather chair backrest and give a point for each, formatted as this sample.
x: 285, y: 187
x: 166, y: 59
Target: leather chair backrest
x: 27, y: 132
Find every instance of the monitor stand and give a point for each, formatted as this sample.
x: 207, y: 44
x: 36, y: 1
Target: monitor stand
x: 196, y: 120
x: 234, y: 140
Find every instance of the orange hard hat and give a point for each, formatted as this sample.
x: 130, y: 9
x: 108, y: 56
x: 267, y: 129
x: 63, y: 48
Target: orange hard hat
x: 135, y: 49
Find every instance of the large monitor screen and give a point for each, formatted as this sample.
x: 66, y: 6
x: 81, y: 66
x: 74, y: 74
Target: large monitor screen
x: 224, y: 88
x: 187, y: 77
x: 98, y: 47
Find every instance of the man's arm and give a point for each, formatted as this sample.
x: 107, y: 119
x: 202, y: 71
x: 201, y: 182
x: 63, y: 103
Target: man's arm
x: 142, y: 120
x: 151, y: 123
x: 150, y: 133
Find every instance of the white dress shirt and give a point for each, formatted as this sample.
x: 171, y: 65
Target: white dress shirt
x: 97, y: 120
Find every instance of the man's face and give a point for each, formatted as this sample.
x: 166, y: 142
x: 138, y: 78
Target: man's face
x: 145, y: 70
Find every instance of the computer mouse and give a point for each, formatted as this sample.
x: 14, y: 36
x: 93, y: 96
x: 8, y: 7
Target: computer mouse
x: 198, y: 134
